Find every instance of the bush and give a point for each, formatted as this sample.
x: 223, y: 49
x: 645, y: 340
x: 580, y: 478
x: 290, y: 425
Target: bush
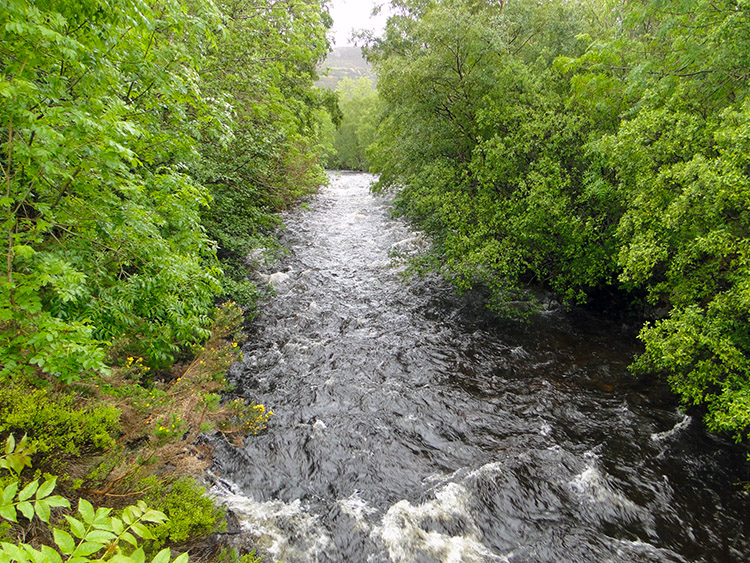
x: 233, y: 556
x: 60, y: 426
x: 95, y: 534
x: 191, y: 513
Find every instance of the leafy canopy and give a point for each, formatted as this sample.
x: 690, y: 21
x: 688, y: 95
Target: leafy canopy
x: 582, y: 147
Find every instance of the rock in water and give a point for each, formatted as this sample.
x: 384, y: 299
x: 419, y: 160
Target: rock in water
x: 279, y: 281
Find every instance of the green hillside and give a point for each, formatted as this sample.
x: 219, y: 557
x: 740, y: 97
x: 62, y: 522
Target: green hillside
x: 343, y: 62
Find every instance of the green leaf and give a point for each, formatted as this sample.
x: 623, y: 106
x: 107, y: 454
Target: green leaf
x: 101, y: 518
x: 10, y: 444
x: 51, y: 555
x: 9, y: 513
x: 9, y: 492
x: 162, y: 556
x: 87, y: 548
x: 14, y: 551
x: 182, y: 558
x: 56, y: 501
x: 76, y: 526
x: 42, y: 510
x: 100, y: 536
x: 117, y: 525
x: 138, y: 556
x: 26, y: 509
x: 127, y: 515
x: 28, y: 490
x: 154, y: 516
x: 141, y: 530
x: 64, y: 541
x: 18, y: 461
x: 36, y: 556
x: 86, y: 510
x: 47, y: 487
x: 128, y: 537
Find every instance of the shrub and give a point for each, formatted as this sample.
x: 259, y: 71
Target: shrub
x: 233, y: 556
x: 60, y: 426
x: 244, y: 419
x: 191, y: 513
x: 95, y: 534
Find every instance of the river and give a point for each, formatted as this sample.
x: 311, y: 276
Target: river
x: 412, y: 425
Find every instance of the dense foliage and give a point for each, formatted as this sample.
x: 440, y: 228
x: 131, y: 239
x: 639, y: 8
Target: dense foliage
x: 137, y: 139
x: 145, y: 146
x: 264, y: 66
x: 90, y: 535
x: 191, y: 513
x: 358, y: 102
x: 60, y: 425
x: 582, y: 146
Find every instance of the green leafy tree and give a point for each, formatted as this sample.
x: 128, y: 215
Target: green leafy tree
x: 358, y: 101
x: 679, y: 163
x: 264, y: 67
x: 585, y: 146
x: 485, y: 149
x: 102, y: 227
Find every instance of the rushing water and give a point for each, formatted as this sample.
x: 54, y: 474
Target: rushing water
x: 410, y: 425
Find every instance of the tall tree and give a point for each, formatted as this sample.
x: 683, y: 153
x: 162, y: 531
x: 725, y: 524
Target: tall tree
x: 679, y: 162
x: 490, y: 159
x: 122, y: 122
x: 264, y: 66
x: 585, y: 145
x: 358, y: 101
x: 101, y: 223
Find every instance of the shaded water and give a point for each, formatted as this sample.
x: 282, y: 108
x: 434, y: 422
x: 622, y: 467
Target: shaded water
x: 410, y: 425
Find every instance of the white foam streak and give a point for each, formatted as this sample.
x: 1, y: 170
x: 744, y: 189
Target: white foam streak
x: 681, y: 425
x: 356, y: 507
x: 642, y: 551
x: 283, y: 530
x: 405, y: 537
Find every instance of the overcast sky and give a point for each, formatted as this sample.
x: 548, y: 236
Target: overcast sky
x: 349, y: 15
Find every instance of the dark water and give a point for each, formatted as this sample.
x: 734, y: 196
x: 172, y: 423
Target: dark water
x: 412, y: 426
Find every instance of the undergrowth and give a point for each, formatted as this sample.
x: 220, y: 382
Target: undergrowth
x: 130, y: 436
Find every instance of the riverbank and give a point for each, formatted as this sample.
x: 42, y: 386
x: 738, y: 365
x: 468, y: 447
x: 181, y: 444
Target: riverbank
x: 131, y: 435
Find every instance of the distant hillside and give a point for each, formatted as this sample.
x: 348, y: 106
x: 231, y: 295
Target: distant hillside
x: 343, y: 62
